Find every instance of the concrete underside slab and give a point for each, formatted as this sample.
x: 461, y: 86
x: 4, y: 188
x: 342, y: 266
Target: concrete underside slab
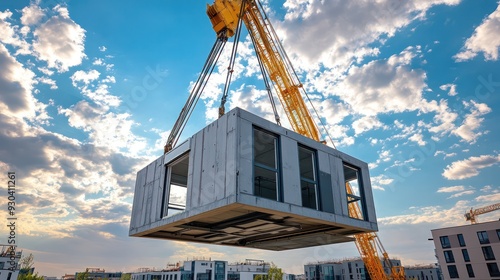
x: 247, y: 226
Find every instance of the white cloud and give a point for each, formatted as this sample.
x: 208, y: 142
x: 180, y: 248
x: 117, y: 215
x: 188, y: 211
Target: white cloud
x: 351, y: 26
x: 485, y: 39
x: 60, y: 41
x: 418, y: 138
x: 470, y: 167
x: 379, y: 181
x: 387, y: 86
x: 366, y: 123
x: 459, y: 194
x: 106, y: 129
x: 451, y: 189
x: 16, y: 86
x: 451, y: 88
x: 445, y: 154
x: 8, y: 34
x: 84, y: 77
x: 32, y: 14
x: 468, y: 129
x: 48, y: 81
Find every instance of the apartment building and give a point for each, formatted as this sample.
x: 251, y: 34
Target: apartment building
x: 423, y: 272
x: 341, y: 270
x: 469, y: 251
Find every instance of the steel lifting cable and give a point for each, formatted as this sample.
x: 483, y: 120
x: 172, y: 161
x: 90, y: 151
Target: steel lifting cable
x: 289, y: 64
x: 232, y: 60
x: 196, y: 91
x: 266, y: 83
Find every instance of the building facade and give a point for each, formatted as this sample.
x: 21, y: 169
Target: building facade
x: 9, y: 262
x: 100, y: 274
x: 423, y: 272
x: 470, y: 251
x: 341, y: 270
x: 191, y: 270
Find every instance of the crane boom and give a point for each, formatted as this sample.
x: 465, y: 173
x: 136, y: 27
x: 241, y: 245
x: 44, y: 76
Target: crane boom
x: 472, y: 214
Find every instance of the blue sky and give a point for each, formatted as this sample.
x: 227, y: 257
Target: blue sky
x: 90, y: 89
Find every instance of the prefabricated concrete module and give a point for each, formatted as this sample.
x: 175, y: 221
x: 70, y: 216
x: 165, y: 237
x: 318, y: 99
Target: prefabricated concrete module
x: 245, y: 181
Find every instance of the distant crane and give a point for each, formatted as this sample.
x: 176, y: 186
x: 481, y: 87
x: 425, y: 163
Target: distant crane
x: 471, y: 215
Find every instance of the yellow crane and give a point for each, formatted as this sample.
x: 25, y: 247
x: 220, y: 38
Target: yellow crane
x: 227, y: 17
x: 472, y: 214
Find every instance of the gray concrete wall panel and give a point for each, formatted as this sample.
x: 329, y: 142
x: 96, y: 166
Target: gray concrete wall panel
x: 291, y: 177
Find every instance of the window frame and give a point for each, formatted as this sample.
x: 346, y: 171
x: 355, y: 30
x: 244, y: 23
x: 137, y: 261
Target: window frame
x: 483, y: 237
x: 315, y: 181
x: 490, y: 267
x: 488, y: 253
x: 448, y: 256
x: 447, y: 244
x: 464, y: 254
x: 470, y: 270
x: 167, y: 186
x: 277, y: 169
x: 353, y: 198
x: 455, y: 271
x: 461, y: 240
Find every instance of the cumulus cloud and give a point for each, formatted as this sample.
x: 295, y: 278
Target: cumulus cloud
x: 468, y: 130
x: 351, y: 26
x: 32, y: 14
x: 484, y: 39
x: 451, y: 88
x: 388, y: 86
x: 8, y: 34
x: 84, y: 77
x: 16, y: 85
x: 470, y: 167
x: 366, y: 123
x: 106, y: 129
x: 379, y: 181
x: 60, y: 41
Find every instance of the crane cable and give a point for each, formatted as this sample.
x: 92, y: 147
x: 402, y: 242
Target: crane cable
x: 232, y: 60
x: 289, y: 63
x: 196, y: 91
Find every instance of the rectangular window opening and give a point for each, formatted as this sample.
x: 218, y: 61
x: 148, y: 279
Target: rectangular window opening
x: 308, y: 178
x: 483, y: 237
x: 445, y: 242
x: 355, y: 194
x: 175, y: 191
x: 448, y: 256
x: 465, y: 254
x: 461, y: 240
x: 470, y: 271
x: 452, y: 270
x: 488, y: 253
x: 493, y: 269
x: 266, y: 164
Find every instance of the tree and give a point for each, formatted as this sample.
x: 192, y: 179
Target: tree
x: 27, y: 262
x: 126, y: 276
x: 274, y: 273
x: 26, y: 265
x: 83, y: 275
x: 29, y: 276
